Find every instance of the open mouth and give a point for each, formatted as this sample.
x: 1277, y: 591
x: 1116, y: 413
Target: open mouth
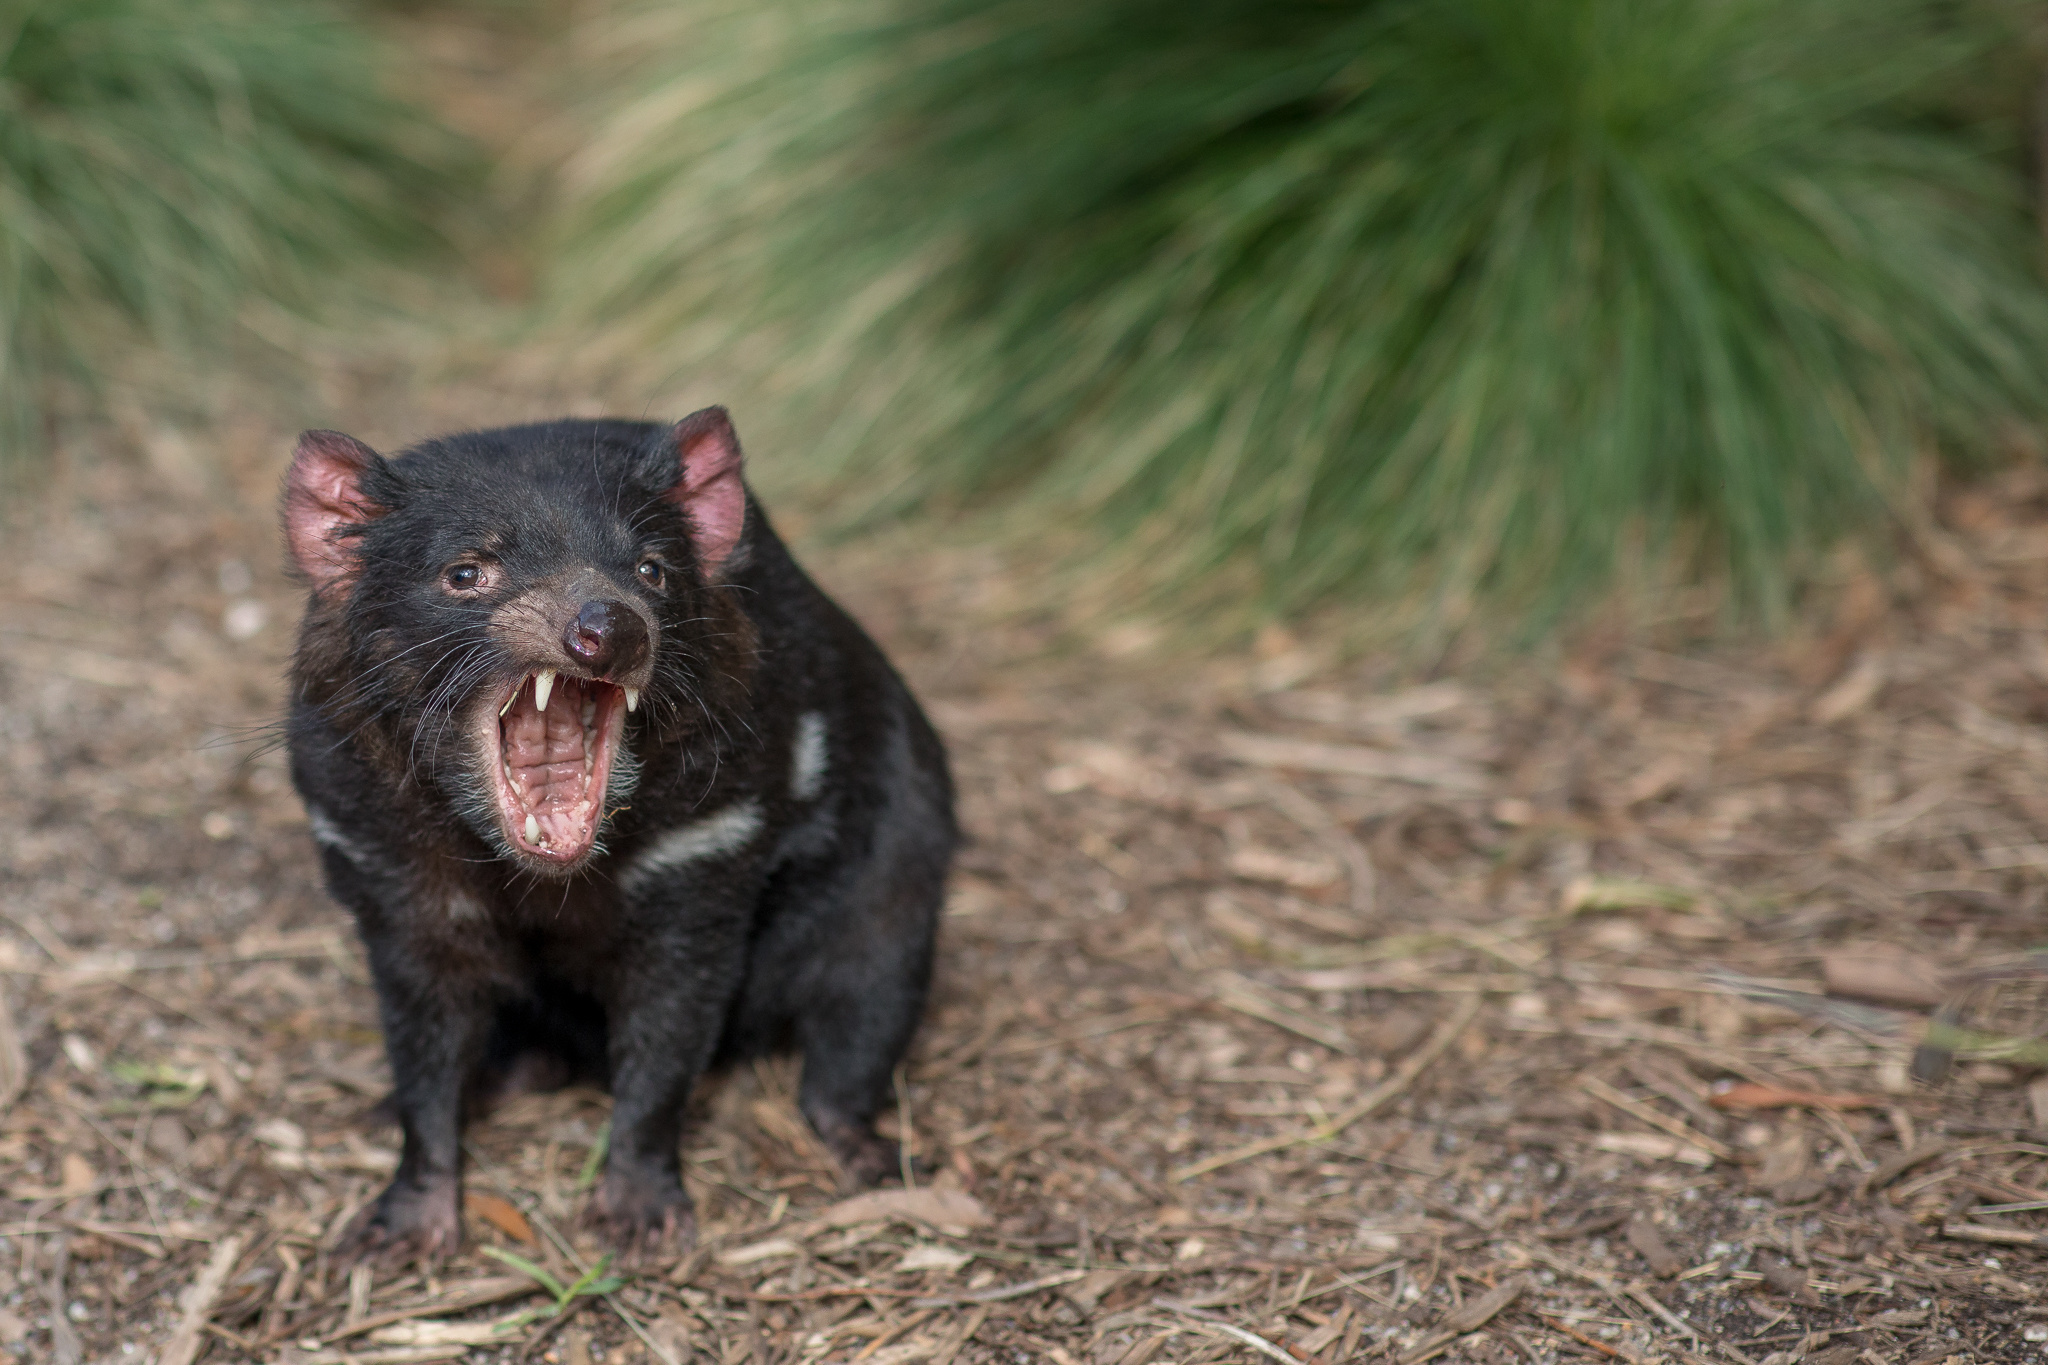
x: 556, y: 739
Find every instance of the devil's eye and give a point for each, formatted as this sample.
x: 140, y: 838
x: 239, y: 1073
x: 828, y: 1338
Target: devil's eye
x: 465, y: 577
x: 651, y: 572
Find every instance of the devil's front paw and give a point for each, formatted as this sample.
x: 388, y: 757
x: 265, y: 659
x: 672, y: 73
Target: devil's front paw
x: 864, y: 1156
x: 647, y: 1217
x: 413, y: 1220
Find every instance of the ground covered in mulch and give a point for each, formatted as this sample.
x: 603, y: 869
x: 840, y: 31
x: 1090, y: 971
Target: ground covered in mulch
x: 1288, y: 1009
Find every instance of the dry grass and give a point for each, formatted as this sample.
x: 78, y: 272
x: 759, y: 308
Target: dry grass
x: 1207, y: 910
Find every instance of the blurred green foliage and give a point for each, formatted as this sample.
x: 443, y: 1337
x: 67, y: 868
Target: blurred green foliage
x: 1462, y: 306
x: 162, y: 162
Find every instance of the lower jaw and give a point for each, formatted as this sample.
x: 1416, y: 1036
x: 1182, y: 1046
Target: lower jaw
x: 554, y: 856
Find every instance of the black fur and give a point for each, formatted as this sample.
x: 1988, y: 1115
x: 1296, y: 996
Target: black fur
x: 815, y: 930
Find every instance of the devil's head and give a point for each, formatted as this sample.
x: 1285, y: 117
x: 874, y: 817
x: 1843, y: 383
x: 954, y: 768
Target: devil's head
x: 499, y: 615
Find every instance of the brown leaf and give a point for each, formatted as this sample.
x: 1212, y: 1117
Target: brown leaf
x: 948, y: 1210
x: 500, y: 1214
x: 1884, y: 973
x: 1755, y: 1095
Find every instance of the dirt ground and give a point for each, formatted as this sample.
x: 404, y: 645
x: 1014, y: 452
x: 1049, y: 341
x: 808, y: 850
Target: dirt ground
x: 1287, y: 1009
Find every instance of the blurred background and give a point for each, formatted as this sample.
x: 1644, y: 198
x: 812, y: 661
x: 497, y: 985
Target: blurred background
x: 1424, y: 320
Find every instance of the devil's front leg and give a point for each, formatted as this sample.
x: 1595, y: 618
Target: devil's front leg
x: 665, y: 1004
x: 435, y: 1000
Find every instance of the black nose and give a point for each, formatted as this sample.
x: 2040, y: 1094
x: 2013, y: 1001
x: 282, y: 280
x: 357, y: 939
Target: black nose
x: 607, y: 637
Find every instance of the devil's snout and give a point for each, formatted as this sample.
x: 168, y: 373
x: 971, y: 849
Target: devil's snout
x: 606, y: 637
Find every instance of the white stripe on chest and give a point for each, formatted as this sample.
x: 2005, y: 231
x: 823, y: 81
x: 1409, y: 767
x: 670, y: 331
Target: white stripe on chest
x: 328, y: 835
x: 729, y: 831
x: 808, y: 757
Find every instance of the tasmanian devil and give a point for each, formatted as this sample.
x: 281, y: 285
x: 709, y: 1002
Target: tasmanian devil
x: 613, y: 792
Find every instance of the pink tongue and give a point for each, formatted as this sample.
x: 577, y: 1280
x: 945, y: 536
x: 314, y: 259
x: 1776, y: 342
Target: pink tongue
x: 545, y: 753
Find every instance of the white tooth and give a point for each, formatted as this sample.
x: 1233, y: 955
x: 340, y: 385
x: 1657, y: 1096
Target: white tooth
x: 589, y: 711
x: 543, y: 684
x: 632, y: 699
x: 509, y: 700
x: 532, y: 830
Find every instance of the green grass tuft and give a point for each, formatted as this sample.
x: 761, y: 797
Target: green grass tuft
x: 162, y: 162
x: 1460, y: 304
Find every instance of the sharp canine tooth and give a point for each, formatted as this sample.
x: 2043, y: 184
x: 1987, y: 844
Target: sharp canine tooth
x: 632, y: 699
x: 532, y: 830
x: 543, y: 683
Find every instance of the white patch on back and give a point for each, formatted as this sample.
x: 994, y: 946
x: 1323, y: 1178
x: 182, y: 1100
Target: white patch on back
x: 328, y: 835
x: 729, y: 831
x: 808, y: 757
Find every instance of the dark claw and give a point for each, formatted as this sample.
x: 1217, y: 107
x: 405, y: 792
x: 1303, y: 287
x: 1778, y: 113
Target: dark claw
x: 408, y: 1223
x: 865, y: 1157
x: 647, y: 1221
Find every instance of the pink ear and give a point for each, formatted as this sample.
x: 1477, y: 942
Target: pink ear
x: 323, y: 495
x: 710, y: 491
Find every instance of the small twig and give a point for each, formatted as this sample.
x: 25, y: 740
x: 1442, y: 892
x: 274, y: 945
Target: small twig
x: 1411, y: 1067
x: 1217, y: 1323
x: 1470, y: 1318
x: 909, y: 1324
x: 1013, y: 1291
x: 479, y: 1295
x: 959, y: 1339
x: 1602, y: 1347
x: 1979, y: 1232
x: 1684, y: 1132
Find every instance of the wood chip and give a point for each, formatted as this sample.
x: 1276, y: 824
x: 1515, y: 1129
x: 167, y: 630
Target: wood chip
x: 1650, y: 1244
x: 182, y: 1348
x: 1898, y: 1163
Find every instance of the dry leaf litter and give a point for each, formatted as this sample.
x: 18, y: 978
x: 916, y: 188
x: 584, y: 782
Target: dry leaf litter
x: 1286, y: 1012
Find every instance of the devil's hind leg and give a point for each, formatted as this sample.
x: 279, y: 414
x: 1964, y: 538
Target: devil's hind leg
x: 845, y: 964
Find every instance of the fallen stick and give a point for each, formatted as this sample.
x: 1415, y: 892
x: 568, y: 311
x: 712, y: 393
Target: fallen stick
x: 1411, y: 1067
x: 183, y: 1346
x: 1351, y: 760
x: 457, y: 1298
